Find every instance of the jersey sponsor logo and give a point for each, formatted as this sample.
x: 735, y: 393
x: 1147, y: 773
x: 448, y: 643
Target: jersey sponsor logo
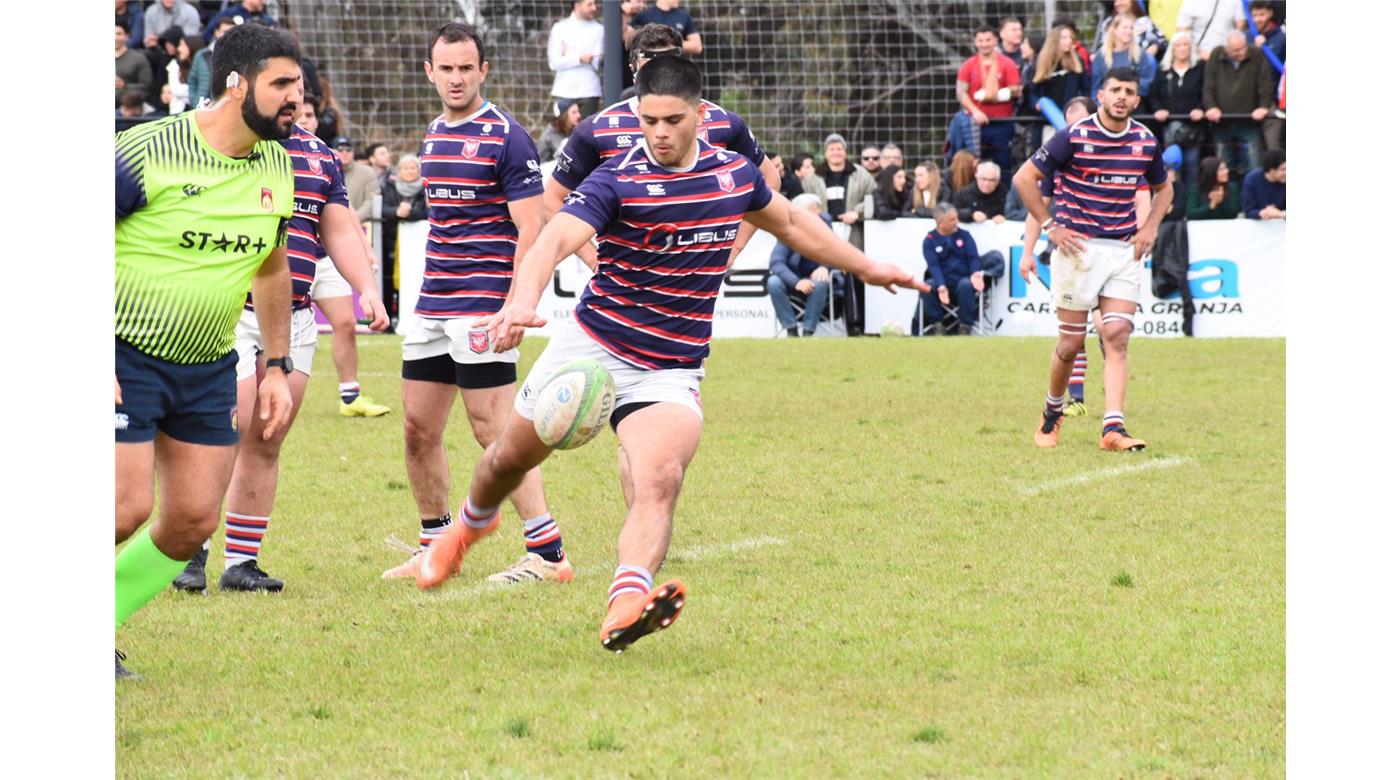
x: 563, y: 161
x: 308, y: 207
x: 726, y: 180
x: 194, y: 239
x: 469, y: 147
x: 192, y: 190
x: 267, y: 200
x: 123, y: 422
x: 655, y: 189
x: 450, y: 193
x: 478, y: 341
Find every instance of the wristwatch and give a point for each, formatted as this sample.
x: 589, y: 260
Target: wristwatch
x: 284, y: 363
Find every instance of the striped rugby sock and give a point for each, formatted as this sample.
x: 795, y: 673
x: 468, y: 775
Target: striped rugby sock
x: 349, y: 391
x: 1055, y: 403
x: 542, y: 538
x: 475, y: 516
x: 1076, y: 376
x: 243, y: 535
x: 629, y: 579
x: 1113, y: 421
x: 431, y: 528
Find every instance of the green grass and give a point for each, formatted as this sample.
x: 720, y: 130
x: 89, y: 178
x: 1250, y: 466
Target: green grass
x: 886, y: 579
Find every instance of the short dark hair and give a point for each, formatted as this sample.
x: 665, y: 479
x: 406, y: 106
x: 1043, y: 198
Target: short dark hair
x: 456, y: 32
x: 1087, y: 102
x: 798, y: 159
x: 1121, y: 74
x: 652, y: 37
x: 126, y: 28
x: 673, y: 76
x: 135, y: 98
x: 246, y: 49
x: 372, y: 146
x: 1272, y: 159
x: 986, y: 28
x: 1005, y: 20
x: 1261, y: 5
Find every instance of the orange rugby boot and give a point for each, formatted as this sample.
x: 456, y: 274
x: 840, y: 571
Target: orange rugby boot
x: 633, y: 616
x: 1117, y: 440
x: 444, y: 557
x: 1048, y: 434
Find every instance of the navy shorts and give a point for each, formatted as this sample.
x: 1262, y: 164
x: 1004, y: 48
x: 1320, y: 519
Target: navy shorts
x: 197, y: 404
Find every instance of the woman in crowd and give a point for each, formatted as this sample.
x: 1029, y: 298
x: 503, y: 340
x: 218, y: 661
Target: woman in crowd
x: 566, y: 118
x: 1120, y: 50
x: 331, y: 115
x: 1059, y: 73
x: 1149, y: 38
x: 1215, y: 196
x: 178, y: 73
x: 926, y: 189
x: 1179, y: 90
x: 961, y: 171
x: 894, y: 198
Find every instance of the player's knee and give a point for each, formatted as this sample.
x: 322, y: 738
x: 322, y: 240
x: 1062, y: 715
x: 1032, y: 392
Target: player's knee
x: 1114, y: 332
x: 661, y: 483
x: 130, y: 518
x: 418, y: 436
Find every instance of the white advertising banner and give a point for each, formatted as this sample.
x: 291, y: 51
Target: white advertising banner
x: 1237, y: 277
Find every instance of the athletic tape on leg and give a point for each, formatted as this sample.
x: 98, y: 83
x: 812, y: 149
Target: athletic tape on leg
x: 1121, y: 317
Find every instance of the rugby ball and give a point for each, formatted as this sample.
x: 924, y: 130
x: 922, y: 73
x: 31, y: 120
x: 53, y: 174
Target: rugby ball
x: 574, y: 404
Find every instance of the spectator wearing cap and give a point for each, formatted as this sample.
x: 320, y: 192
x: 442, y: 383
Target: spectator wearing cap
x: 133, y: 69
x: 131, y: 19
x: 361, y: 183
x: 566, y: 118
x: 842, y: 188
x: 1266, y: 188
x: 164, y: 14
x: 669, y: 13
x: 241, y: 13
x: 988, y: 86
x: 575, y: 53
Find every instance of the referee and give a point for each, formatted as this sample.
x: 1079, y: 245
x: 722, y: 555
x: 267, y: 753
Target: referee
x: 202, y: 200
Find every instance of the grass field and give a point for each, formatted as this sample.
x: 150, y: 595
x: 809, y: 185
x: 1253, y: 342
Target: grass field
x: 886, y: 579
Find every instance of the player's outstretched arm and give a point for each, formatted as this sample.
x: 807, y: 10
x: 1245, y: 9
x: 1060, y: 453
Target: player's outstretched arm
x: 560, y: 238
x: 554, y: 195
x: 272, y: 300
x: 805, y: 232
x: 338, y: 228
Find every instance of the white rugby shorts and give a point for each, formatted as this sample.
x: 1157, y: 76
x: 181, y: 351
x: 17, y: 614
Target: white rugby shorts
x: 633, y: 385
x: 328, y: 282
x: 455, y: 337
x: 1105, y: 268
x: 248, y: 340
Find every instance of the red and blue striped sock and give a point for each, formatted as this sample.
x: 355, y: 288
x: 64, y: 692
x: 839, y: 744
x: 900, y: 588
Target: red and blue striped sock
x: 243, y: 535
x: 1055, y: 403
x: 349, y: 391
x: 1113, y: 421
x: 542, y: 538
x: 629, y: 579
x: 431, y: 528
x: 475, y: 516
x: 1076, y: 376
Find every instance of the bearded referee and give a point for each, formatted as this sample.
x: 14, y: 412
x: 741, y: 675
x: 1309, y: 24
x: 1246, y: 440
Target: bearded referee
x: 203, y: 200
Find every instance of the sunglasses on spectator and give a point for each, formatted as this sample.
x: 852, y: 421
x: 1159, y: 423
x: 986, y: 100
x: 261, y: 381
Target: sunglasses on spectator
x: 870, y: 157
x: 653, y: 54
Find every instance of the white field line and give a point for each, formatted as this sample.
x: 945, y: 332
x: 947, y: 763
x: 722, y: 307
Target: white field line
x: 1092, y: 476
x: 685, y: 554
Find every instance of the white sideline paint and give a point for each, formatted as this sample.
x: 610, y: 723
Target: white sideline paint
x: 1091, y: 476
x: 685, y: 554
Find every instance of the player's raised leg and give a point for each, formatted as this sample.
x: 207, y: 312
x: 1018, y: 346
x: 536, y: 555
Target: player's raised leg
x: 659, y: 442
x: 501, y: 469
x: 1113, y: 334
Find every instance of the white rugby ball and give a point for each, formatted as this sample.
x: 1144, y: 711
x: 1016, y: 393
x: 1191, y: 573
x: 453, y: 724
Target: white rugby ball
x: 574, y: 405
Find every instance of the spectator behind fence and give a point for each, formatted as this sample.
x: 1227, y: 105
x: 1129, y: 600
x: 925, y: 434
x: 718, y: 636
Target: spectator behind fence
x: 870, y: 160
x: 201, y: 70
x: 891, y: 154
x: 1085, y: 58
x: 1215, y: 195
x: 133, y: 69
x: 894, y: 197
x: 179, y: 69
x: 163, y: 14
x: 669, y: 13
x: 788, y: 183
x: 1180, y: 89
x: 956, y: 272
x: 131, y: 104
x: 404, y: 199
x: 988, y: 87
x: 575, y: 53
x: 1012, y: 36
x: 1057, y: 74
x: 566, y: 117
x: 378, y: 156
x: 1266, y: 188
x: 241, y: 13
x: 1121, y: 50
x: 790, y: 273
x: 1171, y: 254
x: 1149, y: 38
x: 985, y: 198
x: 361, y: 185
x: 1271, y: 35
x: 962, y: 171
x: 842, y: 188
x: 802, y: 167
x: 1237, y: 82
x: 131, y: 19
x: 331, y: 117
x: 926, y: 188
x: 163, y: 52
x: 1208, y: 22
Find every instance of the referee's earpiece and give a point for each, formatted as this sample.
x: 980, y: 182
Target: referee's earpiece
x: 232, y: 81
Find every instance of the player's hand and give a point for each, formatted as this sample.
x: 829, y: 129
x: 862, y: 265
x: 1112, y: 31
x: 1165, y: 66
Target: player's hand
x: 274, y: 403
x: 118, y: 383
x: 1027, y: 267
x: 1213, y: 114
x: 1066, y: 240
x: 943, y: 295
x: 374, y: 307
x: 805, y: 286
x: 1143, y: 241
x: 889, y: 276
x: 1258, y: 114
x: 979, y: 281
x: 507, y: 326
x: 820, y: 275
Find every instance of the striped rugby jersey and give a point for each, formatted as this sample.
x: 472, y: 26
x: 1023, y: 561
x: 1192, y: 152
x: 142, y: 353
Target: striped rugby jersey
x: 664, y: 237
x: 193, y: 226
x: 472, y: 169
x: 1099, y: 173
x: 617, y: 129
x: 318, y: 182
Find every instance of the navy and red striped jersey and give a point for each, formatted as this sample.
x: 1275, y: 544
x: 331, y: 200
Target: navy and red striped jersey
x: 1099, y: 172
x: 618, y: 128
x: 319, y: 181
x: 664, y: 237
x: 472, y: 169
